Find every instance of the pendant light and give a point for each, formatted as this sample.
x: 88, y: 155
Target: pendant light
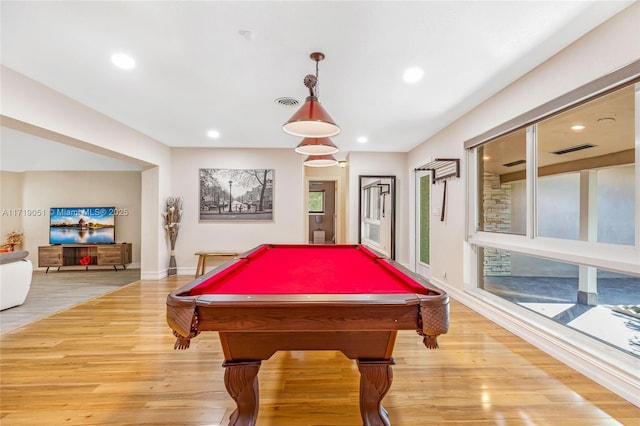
x: 326, y: 160
x: 316, y: 146
x: 311, y: 120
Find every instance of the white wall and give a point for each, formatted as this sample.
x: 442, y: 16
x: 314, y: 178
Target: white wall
x: 10, y: 200
x: 289, y: 210
x: 39, y: 191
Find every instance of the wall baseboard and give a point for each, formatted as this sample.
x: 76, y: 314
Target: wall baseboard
x: 153, y: 275
x: 158, y: 275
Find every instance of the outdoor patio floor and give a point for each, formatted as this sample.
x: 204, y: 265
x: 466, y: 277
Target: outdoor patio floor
x: 556, y: 298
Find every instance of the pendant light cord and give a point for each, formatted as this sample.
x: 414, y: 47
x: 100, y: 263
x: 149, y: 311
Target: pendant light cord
x: 317, y: 85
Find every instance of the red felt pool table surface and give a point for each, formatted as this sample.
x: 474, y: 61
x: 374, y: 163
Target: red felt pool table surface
x: 304, y: 269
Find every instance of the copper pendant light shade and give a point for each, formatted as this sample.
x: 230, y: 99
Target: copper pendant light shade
x: 311, y: 120
x: 316, y: 146
x: 320, y: 161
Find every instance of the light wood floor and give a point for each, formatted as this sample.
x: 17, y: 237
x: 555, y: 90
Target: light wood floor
x: 110, y: 361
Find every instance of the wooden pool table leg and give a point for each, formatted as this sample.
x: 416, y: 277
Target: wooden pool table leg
x: 375, y: 380
x: 241, y: 381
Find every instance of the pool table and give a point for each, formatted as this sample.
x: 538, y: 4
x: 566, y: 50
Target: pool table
x: 279, y: 297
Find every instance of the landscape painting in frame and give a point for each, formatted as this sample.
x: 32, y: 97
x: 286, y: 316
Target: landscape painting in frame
x: 236, y: 194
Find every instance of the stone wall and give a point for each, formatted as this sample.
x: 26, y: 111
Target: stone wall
x: 496, y: 214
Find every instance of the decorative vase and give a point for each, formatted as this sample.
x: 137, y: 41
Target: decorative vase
x: 172, y: 260
x: 172, y: 216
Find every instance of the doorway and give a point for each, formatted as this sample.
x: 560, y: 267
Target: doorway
x: 377, y: 223
x: 322, y: 207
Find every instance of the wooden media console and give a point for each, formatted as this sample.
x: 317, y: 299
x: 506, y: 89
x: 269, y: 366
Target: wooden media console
x: 84, y: 255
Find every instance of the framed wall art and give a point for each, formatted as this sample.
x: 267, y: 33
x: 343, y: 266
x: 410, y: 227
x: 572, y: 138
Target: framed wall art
x: 236, y: 195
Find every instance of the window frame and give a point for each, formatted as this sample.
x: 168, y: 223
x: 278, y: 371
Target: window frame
x: 619, y: 258
x: 322, y: 201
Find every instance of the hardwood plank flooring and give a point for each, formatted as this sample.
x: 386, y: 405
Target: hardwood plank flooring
x: 57, y: 290
x: 110, y: 361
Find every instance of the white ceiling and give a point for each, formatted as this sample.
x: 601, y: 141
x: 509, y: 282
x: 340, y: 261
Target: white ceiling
x: 222, y: 64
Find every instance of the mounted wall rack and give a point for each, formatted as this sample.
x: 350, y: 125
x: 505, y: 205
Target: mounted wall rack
x: 442, y: 168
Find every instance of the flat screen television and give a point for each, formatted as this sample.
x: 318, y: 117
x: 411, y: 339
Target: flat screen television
x: 82, y: 225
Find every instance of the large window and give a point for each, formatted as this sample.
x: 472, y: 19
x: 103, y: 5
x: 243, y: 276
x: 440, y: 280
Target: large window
x: 501, y: 184
x: 316, y: 202
x: 555, y: 213
x: 586, y: 159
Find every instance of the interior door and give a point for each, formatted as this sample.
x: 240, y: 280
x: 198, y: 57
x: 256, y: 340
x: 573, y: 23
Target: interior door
x: 423, y: 223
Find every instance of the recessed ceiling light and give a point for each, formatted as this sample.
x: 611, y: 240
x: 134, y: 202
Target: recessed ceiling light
x: 362, y: 139
x: 413, y: 75
x: 577, y: 127
x: 213, y: 134
x: 123, y: 61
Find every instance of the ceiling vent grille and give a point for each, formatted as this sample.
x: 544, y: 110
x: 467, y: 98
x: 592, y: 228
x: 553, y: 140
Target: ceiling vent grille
x: 287, y: 101
x: 573, y: 149
x: 514, y: 163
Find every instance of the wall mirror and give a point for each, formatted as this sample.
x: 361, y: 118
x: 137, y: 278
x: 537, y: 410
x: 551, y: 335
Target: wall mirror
x: 377, y: 211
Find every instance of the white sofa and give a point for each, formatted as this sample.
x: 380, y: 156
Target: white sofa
x: 15, y: 278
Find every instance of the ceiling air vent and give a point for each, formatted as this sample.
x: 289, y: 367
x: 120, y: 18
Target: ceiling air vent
x: 573, y: 149
x: 514, y: 163
x: 287, y: 101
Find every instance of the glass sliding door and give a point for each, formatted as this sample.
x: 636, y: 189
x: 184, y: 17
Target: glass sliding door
x: 423, y: 222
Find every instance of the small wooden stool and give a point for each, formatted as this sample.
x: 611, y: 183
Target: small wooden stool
x: 202, y: 259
